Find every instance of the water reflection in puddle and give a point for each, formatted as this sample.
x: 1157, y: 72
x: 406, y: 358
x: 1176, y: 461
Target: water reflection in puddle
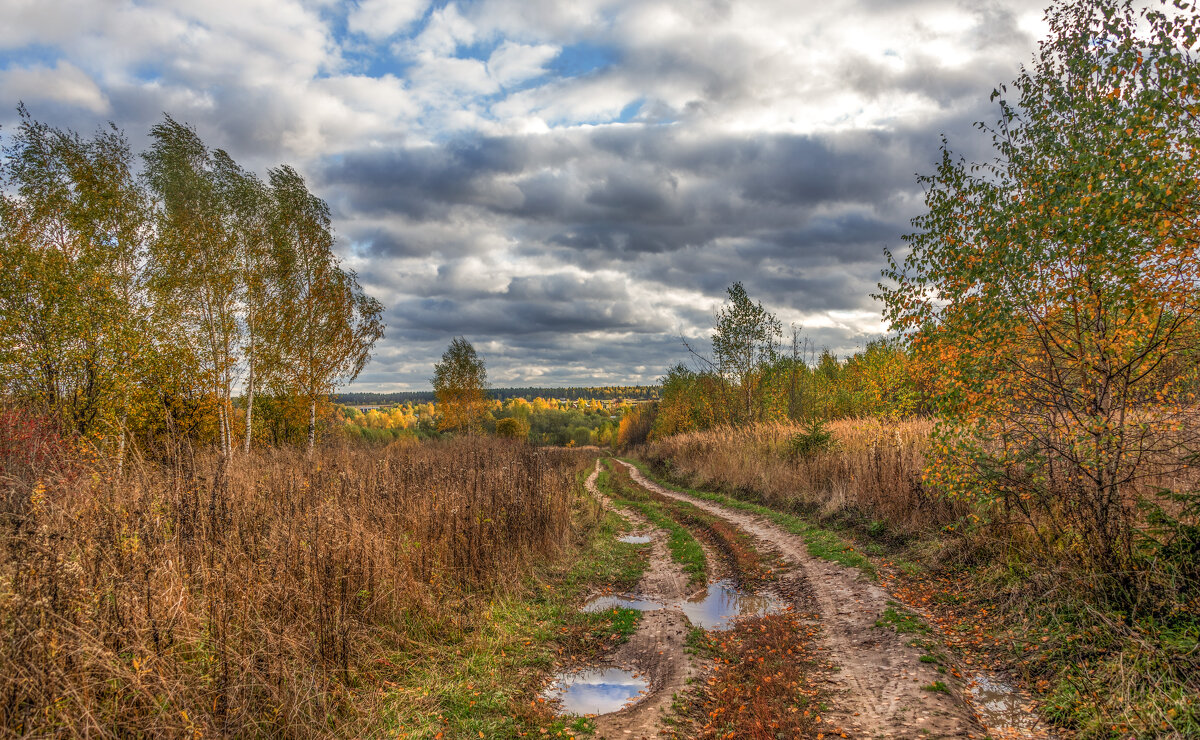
x: 634, y: 539
x: 1000, y: 704
x: 723, y: 603
x: 596, y: 690
x: 604, y: 603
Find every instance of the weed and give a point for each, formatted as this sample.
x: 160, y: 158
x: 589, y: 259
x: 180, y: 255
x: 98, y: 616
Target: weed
x: 901, y: 620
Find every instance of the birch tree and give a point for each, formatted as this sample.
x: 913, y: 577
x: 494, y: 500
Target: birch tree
x: 195, y: 259
x: 326, y: 326
x: 245, y: 205
x: 73, y: 229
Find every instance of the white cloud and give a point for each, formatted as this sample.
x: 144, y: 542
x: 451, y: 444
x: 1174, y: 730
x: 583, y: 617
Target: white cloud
x: 379, y: 19
x: 63, y: 83
x: 511, y: 62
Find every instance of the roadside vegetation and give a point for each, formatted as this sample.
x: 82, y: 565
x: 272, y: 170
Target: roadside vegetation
x: 280, y: 595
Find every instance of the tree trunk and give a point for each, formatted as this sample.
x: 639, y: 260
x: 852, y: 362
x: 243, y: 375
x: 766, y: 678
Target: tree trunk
x: 121, y: 447
x: 312, y: 425
x: 249, y: 407
x: 223, y: 430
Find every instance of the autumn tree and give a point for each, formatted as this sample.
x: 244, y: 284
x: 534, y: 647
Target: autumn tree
x: 325, y: 326
x: 245, y: 209
x: 1052, y: 290
x: 73, y: 230
x: 460, y: 385
x: 195, y: 261
x: 745, y: 343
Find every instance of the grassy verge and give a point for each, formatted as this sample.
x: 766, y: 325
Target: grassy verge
x: 484, y: 681
x: 683, y: 546
x: 821, y: 542
x: 1094, y: 671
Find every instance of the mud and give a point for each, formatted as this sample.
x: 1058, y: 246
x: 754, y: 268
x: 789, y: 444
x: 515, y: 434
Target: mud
x: 878, y: 685
x: 656, y: 650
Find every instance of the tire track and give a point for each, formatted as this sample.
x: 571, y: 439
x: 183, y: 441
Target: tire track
x: 657, y: 648
x: 879, y: 684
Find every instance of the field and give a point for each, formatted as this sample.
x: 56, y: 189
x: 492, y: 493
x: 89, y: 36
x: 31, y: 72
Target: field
x: 265, y: 596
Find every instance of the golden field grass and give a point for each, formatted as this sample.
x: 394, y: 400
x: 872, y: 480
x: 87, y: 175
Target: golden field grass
x: 871, y: 469
x: 256, y: 598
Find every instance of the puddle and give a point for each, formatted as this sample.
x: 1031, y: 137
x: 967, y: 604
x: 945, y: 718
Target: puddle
x: 604, y: 603
x: 1001, y: 706
x: 596, y: 690
x: 723, y: 603
x: 634, y: 539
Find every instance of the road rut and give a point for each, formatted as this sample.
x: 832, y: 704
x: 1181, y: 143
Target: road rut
x: 879, y: 685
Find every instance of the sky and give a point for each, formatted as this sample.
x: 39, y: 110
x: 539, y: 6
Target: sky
x: 571, y: 186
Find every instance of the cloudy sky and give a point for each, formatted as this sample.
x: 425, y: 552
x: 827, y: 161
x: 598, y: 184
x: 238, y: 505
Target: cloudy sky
x: 570, y: 185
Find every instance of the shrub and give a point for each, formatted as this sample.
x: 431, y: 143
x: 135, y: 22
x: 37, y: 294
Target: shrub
x: 813, y: 439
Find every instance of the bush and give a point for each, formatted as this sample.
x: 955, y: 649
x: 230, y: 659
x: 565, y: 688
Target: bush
x: 813, y: 439
x: 512, y: 428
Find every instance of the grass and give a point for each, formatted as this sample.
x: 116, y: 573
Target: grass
x: 865, y: 477
x: 276, y: 595
x: 901, y: 620
x: 683, y: 546
x: 488, y: 681
x: 937, y: 686
x: 821, y: 542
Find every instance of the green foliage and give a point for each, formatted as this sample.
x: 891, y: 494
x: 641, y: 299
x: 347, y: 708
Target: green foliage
x: 815, y: 438
x: 512, y: 428
x: 745, y: 342
x: 1050, y: 290
x: 460, y: 383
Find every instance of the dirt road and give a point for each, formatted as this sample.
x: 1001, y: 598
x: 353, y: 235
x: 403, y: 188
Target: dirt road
x: 657, y: 648
x: 879, y: 687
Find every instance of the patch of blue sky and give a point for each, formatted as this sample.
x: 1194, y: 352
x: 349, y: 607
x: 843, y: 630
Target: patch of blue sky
x: 375, y: 61
x: 33, y: 55
x: 577, y: 60
x: 630, y: 111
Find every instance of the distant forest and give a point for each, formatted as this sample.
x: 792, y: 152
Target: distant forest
x: 606, y: 393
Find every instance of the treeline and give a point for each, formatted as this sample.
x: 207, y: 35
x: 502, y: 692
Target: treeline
x: 538, y: 420
x: 140, y: 291
x: 602, y: 393
x: 754, y: 377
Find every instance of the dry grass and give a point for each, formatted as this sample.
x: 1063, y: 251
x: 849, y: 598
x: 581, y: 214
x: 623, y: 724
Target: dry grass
x: 870, y: 472
x: 253, y: 599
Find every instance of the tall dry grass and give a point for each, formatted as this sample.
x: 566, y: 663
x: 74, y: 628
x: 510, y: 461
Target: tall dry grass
x: 252, y: 599
x: 871, y: 471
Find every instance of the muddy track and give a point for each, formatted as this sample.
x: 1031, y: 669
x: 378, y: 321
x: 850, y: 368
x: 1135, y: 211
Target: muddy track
x: 878, y: 687
x: 657, y: 648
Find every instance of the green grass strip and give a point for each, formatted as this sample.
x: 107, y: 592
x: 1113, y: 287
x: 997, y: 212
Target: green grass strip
x: 685, y: 549
x: 476, y: 682
x: 822, y: 543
